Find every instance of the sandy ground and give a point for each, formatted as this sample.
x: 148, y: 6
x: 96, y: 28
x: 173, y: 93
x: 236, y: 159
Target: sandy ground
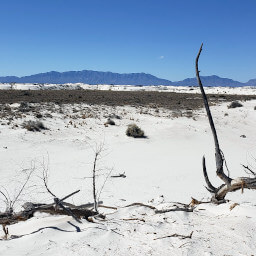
x: 163, y: 168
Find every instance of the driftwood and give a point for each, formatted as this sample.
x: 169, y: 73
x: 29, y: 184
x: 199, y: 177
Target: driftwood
x: 120, y: 175
x: 30, y: 208
x: 176, y: 235
x: 177, y: 207
x: 230, y: 185
x: 58, y: 207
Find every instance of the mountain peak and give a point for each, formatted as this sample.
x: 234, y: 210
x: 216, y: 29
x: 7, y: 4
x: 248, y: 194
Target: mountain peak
x: 99, y: 77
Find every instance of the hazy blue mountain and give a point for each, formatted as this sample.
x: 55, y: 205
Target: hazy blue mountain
x: 89, y: 77
x: 251, y: 82
x: 210, y: 81
x: 98, y: 77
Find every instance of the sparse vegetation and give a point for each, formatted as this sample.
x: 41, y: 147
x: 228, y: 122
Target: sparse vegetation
x: 34, y: 126
x: 235, y: 104
x: 110, y: 122
x: 134, y: 131
x: 25, y: 107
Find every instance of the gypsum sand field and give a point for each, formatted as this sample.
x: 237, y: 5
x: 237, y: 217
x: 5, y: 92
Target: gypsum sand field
x: 163, y: 168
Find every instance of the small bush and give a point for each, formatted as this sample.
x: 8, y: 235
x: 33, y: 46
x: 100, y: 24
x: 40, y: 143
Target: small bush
x: 114, y: 116
x: 110, y: 122
x: 235, y: 104
x: 34, y: 126
x: 25, y: 107
x: 134, y: 131
x: 38, y: 115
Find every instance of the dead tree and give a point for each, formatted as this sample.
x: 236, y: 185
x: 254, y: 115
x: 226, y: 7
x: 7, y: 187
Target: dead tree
x: 230, y: 184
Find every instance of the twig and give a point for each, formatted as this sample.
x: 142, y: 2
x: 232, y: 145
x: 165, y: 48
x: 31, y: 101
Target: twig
x: 176, y: 235
x: 140, y: 204
x: 177, y: 209
x: 107, y: 207
x: 134, y: 219
x: 120, y: 175
x: 66, y: 197
x: 249, y: 169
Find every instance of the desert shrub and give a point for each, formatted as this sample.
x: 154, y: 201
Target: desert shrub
x: 110, y: 122
x: 235, y: 104
x: 114, y: 116
x: 38, y: 115
x: 34, y: 126
x: 25, y: 107
x: 134, y: 131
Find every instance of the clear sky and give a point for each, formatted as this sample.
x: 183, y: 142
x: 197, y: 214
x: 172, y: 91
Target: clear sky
x: 160, y: 37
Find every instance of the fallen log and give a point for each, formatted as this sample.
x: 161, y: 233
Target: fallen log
x: 77, y: 212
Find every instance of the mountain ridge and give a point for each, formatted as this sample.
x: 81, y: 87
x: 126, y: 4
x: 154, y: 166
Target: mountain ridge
x: 100, y: 77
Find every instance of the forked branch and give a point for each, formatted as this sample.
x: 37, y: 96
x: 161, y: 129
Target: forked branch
x: 218, y: 153
x: 229, y: 185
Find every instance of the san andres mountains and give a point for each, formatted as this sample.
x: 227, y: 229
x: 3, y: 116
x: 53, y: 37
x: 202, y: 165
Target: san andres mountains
x: 99, y: 77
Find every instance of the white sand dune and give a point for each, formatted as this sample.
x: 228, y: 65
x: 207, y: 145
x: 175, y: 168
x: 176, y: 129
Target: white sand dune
x: 165, y: 167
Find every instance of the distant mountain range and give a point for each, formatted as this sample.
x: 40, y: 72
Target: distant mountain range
x: 98, y: 77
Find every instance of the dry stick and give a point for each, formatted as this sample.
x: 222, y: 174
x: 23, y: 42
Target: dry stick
x: 177, y: 209
x: 134, y: 219
x: 218, y: 154
x: 185, y: 209
x: 7, y: 200
x: 249, y: 169
x: 176, y: 235
x: 120, y: 175
x: 68, y: 211
x: 140, y: 204
x: 107, y: 207
x: 103, y: 185
x: 93, y: 181
x: 22, y: 188
x: 209, y: 187
x: 66, y: 197
x: 59, y: 201
x: 6, y: 231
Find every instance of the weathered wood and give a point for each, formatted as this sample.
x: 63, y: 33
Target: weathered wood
x: 230, y: 185
x: 120, y: 175
x: 186, y: 208
x: 31, y: 208
x: 176, y: 235
x: 209, y: 187
x: 218, y: 153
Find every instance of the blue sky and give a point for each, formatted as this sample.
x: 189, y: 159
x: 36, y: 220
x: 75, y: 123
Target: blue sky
x: 160, y: 37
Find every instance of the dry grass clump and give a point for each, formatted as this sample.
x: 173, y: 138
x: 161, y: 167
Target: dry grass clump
x: 34, y: 126
x: 235, y: 104
x: 135, y: 131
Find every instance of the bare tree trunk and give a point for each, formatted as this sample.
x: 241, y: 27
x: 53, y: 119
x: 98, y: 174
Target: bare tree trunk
x: 218, y: 152
x: 230, y: 184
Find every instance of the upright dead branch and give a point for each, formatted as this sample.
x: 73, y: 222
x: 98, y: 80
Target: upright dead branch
x: 229, y: 185
x: 98, y: 151
x: 218, y: 152
x: 94, y: 180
